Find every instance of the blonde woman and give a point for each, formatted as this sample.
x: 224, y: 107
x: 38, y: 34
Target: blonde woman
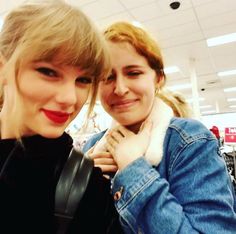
x: 51, y: 60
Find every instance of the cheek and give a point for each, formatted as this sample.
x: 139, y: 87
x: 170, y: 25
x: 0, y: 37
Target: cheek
x: 82, y: 97
x: 33, y: 89
x: 104, y: 93
x: 32, y: 94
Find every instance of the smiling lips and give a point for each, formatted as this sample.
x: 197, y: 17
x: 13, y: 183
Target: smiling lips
x: 56, y: 116
x: 123, y: 104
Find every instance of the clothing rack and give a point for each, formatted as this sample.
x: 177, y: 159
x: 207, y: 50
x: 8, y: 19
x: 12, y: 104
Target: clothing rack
x: 230, y: 159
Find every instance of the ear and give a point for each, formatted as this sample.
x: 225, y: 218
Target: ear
x: 157, y: 80
x: 160, y: 81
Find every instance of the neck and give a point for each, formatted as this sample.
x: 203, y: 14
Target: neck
x: 6, y: 127
x: 135, y: 127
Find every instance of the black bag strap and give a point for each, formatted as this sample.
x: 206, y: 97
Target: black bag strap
x: 71, y: 186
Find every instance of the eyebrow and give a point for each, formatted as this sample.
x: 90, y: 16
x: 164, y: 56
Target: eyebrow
x: 133, y: 66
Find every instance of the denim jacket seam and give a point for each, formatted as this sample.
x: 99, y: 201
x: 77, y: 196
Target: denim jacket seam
x: 128, y: 223
x: 189, y: 138
x: 138, y: 191
x: 187, y: 143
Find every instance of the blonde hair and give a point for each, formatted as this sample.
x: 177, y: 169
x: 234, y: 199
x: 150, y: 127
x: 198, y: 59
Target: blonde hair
x: 177, y: 102
x: 44, y: 30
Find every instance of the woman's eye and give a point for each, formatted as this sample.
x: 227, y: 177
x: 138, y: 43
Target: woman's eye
x: 134, y: 73
x: 110, y: 78
x: 47, y: 71
x: 84, y: 80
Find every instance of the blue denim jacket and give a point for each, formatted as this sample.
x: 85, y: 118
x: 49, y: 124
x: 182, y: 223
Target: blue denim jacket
x: 188, y: 192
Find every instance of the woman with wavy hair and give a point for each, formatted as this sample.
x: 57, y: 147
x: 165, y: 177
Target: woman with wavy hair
x: 169, y: 174
x: 51, y: 60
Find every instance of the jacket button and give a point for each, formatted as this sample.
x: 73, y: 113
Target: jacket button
x: 118, y: 194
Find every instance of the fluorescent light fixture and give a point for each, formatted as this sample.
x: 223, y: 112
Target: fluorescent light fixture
x: 208, y: 112
x: 171, y: 69
x: 227, y: 73
x: 233, y: 106
x: 205, y: 107
x: 179, y: 87
x: 1, y: 23
x: 231, y: 99
x: 230, y: 89
x: 137, y: 24
x: 190, y: 100
x: 227, y: 38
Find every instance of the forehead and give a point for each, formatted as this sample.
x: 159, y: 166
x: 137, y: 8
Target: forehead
x: 123, y: 54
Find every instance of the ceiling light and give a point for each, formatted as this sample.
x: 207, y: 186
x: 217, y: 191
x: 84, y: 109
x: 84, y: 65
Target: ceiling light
x: 208, y: 112
x: 227, y: 73
x: 1, y: 23
x: 180, y: 87
x: 171, y: 69
x: 137, y: 24
x: 231, y: 99
x: 227, y: 38
x: 230, y: 89
x: 205, y: 107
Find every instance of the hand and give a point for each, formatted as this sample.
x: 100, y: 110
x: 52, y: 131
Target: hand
x: 125, y: 146
x: 105, y: 161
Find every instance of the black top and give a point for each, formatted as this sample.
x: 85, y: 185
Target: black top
x: 28, y: 178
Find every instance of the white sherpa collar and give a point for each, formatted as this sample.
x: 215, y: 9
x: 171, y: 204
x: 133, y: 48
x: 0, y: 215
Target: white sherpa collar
x: 160, y: 116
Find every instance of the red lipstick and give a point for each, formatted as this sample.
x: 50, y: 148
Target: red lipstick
x: 56, y: 116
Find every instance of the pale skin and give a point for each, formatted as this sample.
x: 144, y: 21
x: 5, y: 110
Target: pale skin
x: 122, y: 148
x: 45, y: 87
x: 127, y: 96
x: 126, y: 146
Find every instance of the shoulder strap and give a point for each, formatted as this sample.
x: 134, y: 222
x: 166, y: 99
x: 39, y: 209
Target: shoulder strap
x: 71, y: 186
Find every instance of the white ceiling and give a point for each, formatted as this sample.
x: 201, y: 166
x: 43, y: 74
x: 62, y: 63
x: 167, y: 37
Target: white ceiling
x: 182, y: 35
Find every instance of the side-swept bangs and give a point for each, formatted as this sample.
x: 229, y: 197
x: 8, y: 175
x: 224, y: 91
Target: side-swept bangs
x: 58, y: 32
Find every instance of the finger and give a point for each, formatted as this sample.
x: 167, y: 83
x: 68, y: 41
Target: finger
x: 105, y: 161
x: 101, y: 155
x: 111, y: 141
x: 107, y: 168
x: 110, y: 148
x: 117, y: 136
x: 124, y: 131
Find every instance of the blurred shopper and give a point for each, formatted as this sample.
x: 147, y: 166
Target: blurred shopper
x: 216, y: 132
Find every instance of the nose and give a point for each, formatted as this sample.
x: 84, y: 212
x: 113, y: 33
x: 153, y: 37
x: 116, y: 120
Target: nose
x: 67, y: 95
x: 121, y: 87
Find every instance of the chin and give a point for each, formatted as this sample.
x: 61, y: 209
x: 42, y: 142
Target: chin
x: 129, y: 121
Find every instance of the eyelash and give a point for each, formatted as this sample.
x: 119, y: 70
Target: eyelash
x: 84, y: 80
x: 112, y: 77
x: 51, y: 73
x: 134, y: 73
x: 47, y: 71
